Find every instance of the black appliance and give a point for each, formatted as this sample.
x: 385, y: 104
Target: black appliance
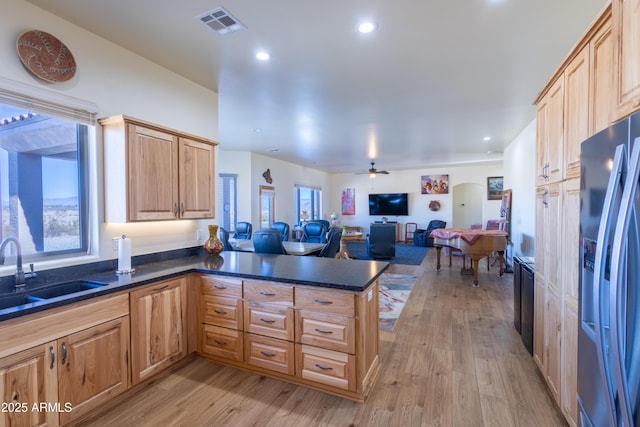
x: 523, y: 282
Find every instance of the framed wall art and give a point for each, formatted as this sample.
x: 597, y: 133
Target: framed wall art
x: 494, y: 187
x: 348, y: 201
x: 434, y: 184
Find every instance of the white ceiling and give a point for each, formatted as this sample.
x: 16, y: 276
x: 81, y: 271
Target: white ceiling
x: 423, y: 90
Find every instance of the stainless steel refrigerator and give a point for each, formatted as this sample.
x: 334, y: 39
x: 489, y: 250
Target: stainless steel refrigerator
x: 609, y: 309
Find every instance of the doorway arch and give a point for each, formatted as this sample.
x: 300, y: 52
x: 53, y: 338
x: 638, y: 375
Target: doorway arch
x: 467, y: 204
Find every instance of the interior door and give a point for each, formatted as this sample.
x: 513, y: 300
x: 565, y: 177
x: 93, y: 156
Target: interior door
x: 267, y: 205
x: 467, y: 205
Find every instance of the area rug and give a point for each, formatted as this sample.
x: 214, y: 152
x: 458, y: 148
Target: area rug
x: 394, y: 292
x: 405, y: 254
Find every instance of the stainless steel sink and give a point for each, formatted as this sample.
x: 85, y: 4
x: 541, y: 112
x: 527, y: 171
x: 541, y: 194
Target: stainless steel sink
x: 48, y: 292
x: 66, y: 288
x: 13, y: 300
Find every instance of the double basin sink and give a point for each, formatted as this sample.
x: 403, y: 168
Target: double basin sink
x: 46, y: 293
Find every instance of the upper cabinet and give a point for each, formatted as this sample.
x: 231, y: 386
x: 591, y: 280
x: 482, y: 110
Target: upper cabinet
x: 626, y: 29
x: 575, y: 104
x: 154, y: 173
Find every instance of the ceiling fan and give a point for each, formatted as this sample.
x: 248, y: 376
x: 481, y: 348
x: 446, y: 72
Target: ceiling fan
x: 373, y: 171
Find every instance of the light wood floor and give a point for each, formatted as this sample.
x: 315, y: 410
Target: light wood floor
x: 454, y: 359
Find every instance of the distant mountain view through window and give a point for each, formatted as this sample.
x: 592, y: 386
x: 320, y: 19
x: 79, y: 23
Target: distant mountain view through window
x: 41, y: 188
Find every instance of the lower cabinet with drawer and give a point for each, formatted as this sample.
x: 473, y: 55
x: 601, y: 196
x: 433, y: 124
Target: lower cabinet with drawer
x: 84, y: 366
x: 321, y: 338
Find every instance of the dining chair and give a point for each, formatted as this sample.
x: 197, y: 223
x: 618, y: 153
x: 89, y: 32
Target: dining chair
x: 330, y: 250
x: 268, y: 241
x: 243, y: 231
x: 223, y: 234
x: 314, y: 232
x: 283, y: 228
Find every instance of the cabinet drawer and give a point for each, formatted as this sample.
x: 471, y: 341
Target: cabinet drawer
x: 221, y: 342
x: 269, y: 320
x: 268, y: 292
x: 269, y: 353
x: 328, y: 367
x: 330, y: 331
x: 214, y: 285
x: 329, y: 301
x: 221, y: 311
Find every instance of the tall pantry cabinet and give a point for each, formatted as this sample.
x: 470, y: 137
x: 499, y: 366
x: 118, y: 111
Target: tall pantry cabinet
x: 576, y: 103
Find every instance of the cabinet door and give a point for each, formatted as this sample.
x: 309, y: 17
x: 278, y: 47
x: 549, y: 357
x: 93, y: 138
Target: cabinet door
x: 542, y: 140
x: 570, y: 255
x: 626, y: 28
x: 552, y: 337
x: 576, y: 120
x: 26, y: 379
x: 555, y: 122
x: 602, y: 90
x: 197, y: 191
x: 93, y: 366
x: 152, y: 173
x: 569, y: 386
x: 158, y: 338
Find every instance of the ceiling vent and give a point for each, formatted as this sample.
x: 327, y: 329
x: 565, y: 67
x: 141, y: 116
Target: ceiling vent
x: 221, y: 21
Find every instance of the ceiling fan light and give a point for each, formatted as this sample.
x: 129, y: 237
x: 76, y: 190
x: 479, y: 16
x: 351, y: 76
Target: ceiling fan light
x: 372, y: 175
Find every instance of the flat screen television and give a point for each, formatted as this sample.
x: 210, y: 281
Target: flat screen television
x: 391, y: 204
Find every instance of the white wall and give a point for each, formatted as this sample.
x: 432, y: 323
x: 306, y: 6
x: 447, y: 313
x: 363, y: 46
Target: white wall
x: 520, y: 176
x: 408, y: 181
x: 118, y: 82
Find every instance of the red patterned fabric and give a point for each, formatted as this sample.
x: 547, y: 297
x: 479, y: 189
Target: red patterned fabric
x: 469, y: 236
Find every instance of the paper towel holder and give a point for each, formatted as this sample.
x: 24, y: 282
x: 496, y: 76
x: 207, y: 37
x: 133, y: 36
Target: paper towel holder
x: 126, y: 254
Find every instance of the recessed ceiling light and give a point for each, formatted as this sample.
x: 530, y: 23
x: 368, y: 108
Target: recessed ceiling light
x: 263, y: 56
x: 257, y: 130
x: 366, y: 27
x: 486, y: 138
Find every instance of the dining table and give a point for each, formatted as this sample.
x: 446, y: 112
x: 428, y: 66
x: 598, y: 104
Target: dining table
x: 292, y: 248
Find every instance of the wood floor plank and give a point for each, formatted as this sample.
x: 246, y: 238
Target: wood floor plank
x: 453, y: 360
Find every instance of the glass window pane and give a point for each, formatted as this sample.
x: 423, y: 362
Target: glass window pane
x: 41, y: 186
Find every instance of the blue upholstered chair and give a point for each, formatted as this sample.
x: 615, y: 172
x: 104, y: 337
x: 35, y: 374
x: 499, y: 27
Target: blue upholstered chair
x: 268, y: 241
x: 314, y: 232
x: 381, y: 241
x: 421, y: 236
x: 330, y: 250
x: 223, y: 234
x: 243, y: 231
x: 326, y: 223
x: 283, y: 228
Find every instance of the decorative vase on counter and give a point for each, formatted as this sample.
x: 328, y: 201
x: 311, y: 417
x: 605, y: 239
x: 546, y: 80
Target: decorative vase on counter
x: 213, y: 245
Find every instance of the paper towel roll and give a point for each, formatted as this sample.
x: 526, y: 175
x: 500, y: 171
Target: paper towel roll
x: 124, y: 254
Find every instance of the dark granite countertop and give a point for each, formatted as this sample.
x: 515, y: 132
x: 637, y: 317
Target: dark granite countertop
x: 350, y: 275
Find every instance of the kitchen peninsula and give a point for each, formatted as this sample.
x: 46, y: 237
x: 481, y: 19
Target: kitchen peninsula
x: 308, y: 320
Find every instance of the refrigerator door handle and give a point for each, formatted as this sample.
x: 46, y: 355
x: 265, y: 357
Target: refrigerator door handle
x: 621, y: 248
x: 604, y: 232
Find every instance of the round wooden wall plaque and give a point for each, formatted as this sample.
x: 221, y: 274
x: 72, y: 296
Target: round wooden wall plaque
x: 45, y: 56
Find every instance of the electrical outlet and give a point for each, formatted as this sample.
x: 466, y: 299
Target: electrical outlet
x: 199, y: 235
x: 114, y: 244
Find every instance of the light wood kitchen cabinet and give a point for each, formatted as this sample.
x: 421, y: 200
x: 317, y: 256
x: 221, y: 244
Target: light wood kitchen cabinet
x: 158, y: 327
x: 552, y: 340
x: 550, y: 134
x: 547, y: 275
x: 154, y: 173
x: 76, y: 357
x: 588, y: 94
x: 569, y: 362
x: 318, y: 337
x: 626, y: 31
x: 601, y: 92
x: 576, y: 111
x: 27, y: 378
x: 93, y: 367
